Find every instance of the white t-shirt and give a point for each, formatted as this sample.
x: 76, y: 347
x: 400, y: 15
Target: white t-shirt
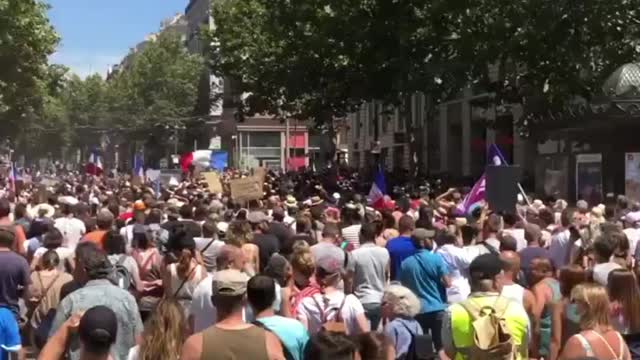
x: 352, y: 235
x: 601, y: 272
x: 558, y: 249
x: 633, y: 235
x: 457, y: 261
x: 72, y: 230
x: 308, y: 310
x: 517, y: 234
x: 63, y: 254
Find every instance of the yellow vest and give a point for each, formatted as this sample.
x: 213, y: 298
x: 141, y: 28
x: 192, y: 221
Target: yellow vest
x: 515, y: 317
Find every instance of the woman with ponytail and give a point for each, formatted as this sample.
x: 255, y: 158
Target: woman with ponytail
x: 182, y: 277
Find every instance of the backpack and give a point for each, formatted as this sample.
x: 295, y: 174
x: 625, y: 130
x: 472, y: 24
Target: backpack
x: 420, y: 347
x: 337, y: 323
x: 123, y: 278
x: 491, y: 336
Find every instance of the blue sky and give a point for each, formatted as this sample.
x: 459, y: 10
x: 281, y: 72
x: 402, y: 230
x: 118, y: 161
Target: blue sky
x: 98, y: 33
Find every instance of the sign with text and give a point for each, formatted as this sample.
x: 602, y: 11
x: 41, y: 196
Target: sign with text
x: 213, y: 181
x: 249, y: 188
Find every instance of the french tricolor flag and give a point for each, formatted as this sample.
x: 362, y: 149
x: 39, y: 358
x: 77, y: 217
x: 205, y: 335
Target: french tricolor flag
x: 205, y: 159
x: 94, y: 166
x: 378, y: 190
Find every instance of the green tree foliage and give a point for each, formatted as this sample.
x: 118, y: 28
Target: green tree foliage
x: 26, y: 40
x: 159, y: 87
x: 314, y: 57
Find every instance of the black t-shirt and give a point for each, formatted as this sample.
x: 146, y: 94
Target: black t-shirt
x: 280, y: 231
x: 268, y: 245
x: 193, y: 228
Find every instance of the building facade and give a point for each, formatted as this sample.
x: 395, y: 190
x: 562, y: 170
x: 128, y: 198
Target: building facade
x: 451, y: 139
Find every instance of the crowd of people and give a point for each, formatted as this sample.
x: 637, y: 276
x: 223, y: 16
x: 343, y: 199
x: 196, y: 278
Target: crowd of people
x: 103, y: 270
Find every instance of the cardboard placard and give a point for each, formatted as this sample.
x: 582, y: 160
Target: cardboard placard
x: 260, y: 173
x: 249, y: 188
x: 213, y: 181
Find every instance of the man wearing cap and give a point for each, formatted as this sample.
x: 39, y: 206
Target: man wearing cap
x: 97, y: 329
x: 267, y: 243
x: 485, y: 279
x: 427, y: 275
x: 231, y: 337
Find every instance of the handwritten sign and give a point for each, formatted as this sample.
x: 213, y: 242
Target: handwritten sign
x: 213, y: 181
x: 249, y: 188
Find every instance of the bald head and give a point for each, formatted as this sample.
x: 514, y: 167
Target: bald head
x: 230, y: 257
x: 510, y: 262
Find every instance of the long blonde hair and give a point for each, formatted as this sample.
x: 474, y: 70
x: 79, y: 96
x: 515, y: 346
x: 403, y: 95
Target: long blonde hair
x: 165, y: 332
x: 594, y: 300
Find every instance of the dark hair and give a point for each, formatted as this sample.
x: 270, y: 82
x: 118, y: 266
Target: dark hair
x: 50, y: 260
x: 468, y: 232
x: 154, y: 217
x: 209, y: 229
x: 114, y: 243
x: 114, y: 208
x: 604, y: 247
x: 331, y: 230
x: 95, y: 262
x: 566, y: 217
x: 388, y: 221
x: 201, y: 213
x: 7, y: 236
x: 510, y: 219
x: 303, y: 224
x: 20, y: 211
x: 181, y: 243
x: 373, y: 345
x: 52, y: 239
x: 327, y: 345
x: 444, y: 238
x: 186, y: 211
x: 508, y: 243
x: 261, y: 292
x: 546, y: 216
x: 368, y: 233
x: 5, y: 208
x: 38, y: 228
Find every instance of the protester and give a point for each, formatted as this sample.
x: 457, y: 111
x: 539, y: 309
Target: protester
x: 14, y: 273
x: 97, y: 330
x: 400, y: 306
x: 603, y: 248
x: 52, y: 240
x: 624, y: 295
x: 115, y: 248
x: 164, y: 333
x: 597, y: 337
x: 72, y: 228
x: 104, y: 221
x: 565, y: 319
x: 209, y: 245
x: 427, y: 275
x: 182, y: 276
x: 375, y: 346
x: 457, y: 261
x: 231, y: 337
x: 546, y: 290
x: 486, y: 278
x: 534, y: 249
x: 261, y: 293
x: 401, y: 247
x: 44, y: 293
x: 331, y: 304
x: 94, y: 271
x: 10, y: 341
x: 267, y: 244
x: 510, y: 288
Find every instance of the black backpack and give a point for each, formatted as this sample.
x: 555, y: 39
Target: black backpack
x: 420, y: 347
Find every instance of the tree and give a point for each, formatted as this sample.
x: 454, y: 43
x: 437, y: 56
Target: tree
x: 26, y: 40
x: 316, y: 57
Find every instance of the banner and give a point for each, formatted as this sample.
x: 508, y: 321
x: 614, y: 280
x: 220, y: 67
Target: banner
x: 249, y: 188
x: 589, y: 178
x: 213, y: 182
x: 632, y: 176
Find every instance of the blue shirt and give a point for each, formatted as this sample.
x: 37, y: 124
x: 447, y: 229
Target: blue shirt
x: 9, y: 333
x: 401, y: 332
x: 291, y: 333
x: 422, y: 273
x: 399, y: 249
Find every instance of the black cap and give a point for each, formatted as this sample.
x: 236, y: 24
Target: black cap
x: 99, y: 327
x: 485, y: 266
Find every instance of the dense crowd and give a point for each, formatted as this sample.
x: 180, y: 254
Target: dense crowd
x: 103, y: 269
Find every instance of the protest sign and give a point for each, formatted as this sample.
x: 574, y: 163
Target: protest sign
x: 213, y: 181
x: 249, y: 188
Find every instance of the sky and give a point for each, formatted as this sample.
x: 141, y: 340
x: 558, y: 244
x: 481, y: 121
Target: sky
x: 99, y: 33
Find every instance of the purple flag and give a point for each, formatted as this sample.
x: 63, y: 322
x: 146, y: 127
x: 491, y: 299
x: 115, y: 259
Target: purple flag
x: 474, y: 197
